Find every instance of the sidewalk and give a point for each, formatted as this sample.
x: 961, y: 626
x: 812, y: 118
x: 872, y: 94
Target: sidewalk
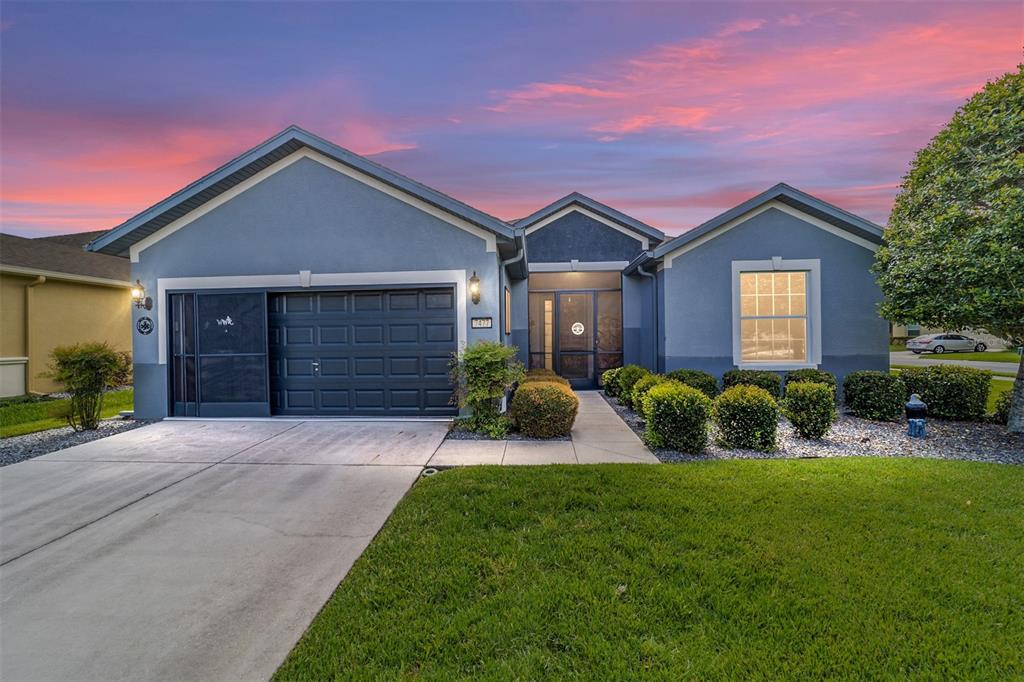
x: 599, y: 436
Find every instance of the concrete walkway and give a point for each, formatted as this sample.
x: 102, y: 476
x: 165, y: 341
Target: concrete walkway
x: 190, y: 550
x: 598, y: 436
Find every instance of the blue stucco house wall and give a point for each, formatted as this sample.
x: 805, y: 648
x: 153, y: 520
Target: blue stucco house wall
x: 298, y: 219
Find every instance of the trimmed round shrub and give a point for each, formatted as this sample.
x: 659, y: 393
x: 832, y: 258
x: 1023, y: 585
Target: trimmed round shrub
x: 677, y: 417
x: 1002, y: 413
x: 625, y: 379
x: 543, y: 375
x: 641, y: 387
x: 769, y: 381
x: 544, y: 409
x: 958, y: 393
x: 874, y: 395
x: 811, y: 376
x: 747, y: 417
x: 702, y: 381
x: 810, y: 408
x: 610, y: 381
x: 87, y: 371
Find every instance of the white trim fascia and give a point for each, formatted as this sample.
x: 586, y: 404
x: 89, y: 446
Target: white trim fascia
x: 813, y: 267
x: 785, y: 208
x: 305, y: 153
x: 13, y: 361
x: 64, y: 276
x: 456, y: 278
x: 644, y: 241
x: 580, y: 266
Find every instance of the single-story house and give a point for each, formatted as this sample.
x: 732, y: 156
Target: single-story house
x: 55, y: 293
x: 303, y: 279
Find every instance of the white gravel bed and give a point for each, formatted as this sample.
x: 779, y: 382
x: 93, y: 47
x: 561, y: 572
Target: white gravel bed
x: 854, y: 437
x: 20, y: 448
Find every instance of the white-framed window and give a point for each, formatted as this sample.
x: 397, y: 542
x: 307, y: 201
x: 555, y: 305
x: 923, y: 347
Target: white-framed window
x: 776, y: 313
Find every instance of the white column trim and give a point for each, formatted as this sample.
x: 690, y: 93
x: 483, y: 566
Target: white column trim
x: 580, y: 266
x: 813, y: 267
x: 456, y: 278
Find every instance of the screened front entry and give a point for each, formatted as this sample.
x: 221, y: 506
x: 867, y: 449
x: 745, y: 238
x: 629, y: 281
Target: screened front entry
x: 576, y: 324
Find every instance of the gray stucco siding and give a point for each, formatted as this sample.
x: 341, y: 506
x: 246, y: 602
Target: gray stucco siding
x: 308, y: 217
x: 698, y: 327
x: 578, y: 236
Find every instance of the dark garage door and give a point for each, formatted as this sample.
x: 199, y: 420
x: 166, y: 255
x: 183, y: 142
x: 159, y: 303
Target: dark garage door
x: 361, y: 352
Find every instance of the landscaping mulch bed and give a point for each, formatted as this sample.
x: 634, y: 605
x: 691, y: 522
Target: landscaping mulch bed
x: 20, y: 448
x: 854, y: 437
x: 459, y: 434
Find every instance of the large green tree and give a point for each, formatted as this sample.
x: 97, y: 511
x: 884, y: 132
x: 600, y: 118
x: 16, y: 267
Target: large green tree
x: 953, y: 255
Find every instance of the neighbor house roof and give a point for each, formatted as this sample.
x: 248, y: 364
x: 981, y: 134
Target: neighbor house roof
x: 118, y: 240
x: 605, y: 211
x: 790, y: 196
x: 60, y: 258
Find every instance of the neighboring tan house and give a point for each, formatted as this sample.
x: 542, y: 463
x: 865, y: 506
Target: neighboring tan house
x: 54, y: 293
x: 303, y: 279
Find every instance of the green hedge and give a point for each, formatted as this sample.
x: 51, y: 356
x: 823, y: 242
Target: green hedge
x: 629, y: 375
x: 544, y: 409
x: 702, y: 381
x: 811, y: 376
x: 769, y: 381
x: 641, y: 387
x: 874, y: 395
x: 746, y: 417
x: 810, y: 408
x: 610, y: 381
x: 676, y: 416
x: 543, y: 375
x: 959, y: 393
x: 1002, y: 413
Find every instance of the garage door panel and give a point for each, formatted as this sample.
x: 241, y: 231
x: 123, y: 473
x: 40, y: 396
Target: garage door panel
x: 379, y: 352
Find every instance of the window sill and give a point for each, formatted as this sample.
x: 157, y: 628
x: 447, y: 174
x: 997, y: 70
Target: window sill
x: 776, y: 366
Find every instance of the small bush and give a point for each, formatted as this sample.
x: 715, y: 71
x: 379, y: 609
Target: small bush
x: 625, y: 379
x: 87, y: 371
x: 873, y: 395
x: 482, y: 374
x: 1002, y: 413
x: 543, y: 375
x: 641, y: 387
x: 544, y: 409
x: 676, y: 416
x: 959, y: 393
x: 610, y: 381
x: 769, y: 381
x: 747, y: 417
x: 702, y: 381
x: 811, y: 376
x: 810, y: 408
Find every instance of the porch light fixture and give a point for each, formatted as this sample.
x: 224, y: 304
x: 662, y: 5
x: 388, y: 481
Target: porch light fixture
x: 140, y: 298
x: 474, y: 287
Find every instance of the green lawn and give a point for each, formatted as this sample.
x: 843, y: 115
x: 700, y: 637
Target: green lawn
x: 857, y: 568
x: 994, y: 356
x: 996, y: 389
x: 18, y: 418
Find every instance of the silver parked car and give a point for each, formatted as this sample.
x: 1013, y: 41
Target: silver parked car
x: 945, y: 343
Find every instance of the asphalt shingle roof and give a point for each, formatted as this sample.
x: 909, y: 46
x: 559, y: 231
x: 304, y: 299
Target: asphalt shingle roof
x: 62, y: 253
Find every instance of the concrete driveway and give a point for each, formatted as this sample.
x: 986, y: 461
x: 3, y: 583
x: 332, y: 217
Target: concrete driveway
x: 189, y: 549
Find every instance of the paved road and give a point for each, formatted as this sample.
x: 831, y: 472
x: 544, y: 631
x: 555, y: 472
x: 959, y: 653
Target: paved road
x: 908, y: 358
x: 190, y: 550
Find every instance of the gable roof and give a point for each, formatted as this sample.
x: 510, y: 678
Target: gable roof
x: 790, y: 196
x: 603, y: 210
x: 118, y: 240
x: 56, y: 256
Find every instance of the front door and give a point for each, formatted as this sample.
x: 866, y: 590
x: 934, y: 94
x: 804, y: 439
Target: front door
x: 576, y: 348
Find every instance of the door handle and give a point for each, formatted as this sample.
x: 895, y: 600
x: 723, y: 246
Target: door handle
x: 316, y: 368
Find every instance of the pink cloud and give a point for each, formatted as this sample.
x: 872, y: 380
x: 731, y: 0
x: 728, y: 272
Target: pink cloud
x: 741, y: 26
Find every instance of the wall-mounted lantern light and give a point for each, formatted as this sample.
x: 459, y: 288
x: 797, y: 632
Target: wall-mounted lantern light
x: 140, y: 298
x: 474, y: 287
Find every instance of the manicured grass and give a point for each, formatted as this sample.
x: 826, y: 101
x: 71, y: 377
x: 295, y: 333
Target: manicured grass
x: 994, y: 356
x: 17, y: 419
x: 858, y: 568
x: 996, y: 389
x: 896, y: 347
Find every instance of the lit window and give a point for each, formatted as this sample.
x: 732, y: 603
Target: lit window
x: 773, y: 317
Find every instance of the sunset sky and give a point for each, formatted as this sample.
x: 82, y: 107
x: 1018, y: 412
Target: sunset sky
x: 671, y: 112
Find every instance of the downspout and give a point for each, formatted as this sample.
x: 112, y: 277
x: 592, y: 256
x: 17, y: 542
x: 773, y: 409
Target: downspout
x: 654, y: 299
x: 520, y: 255
x: 29, y: 364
